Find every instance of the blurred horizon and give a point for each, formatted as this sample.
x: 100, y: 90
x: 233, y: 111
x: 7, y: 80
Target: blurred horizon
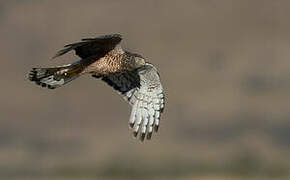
x: 224, y: 66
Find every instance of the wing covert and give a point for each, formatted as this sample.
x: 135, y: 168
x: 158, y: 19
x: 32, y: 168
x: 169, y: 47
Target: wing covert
x: 88, y: 47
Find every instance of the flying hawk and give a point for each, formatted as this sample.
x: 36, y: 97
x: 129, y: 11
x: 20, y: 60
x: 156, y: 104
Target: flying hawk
x: 135, y: 79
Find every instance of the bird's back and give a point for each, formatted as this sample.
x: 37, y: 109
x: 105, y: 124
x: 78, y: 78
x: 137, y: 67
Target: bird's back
x: 112, y: 62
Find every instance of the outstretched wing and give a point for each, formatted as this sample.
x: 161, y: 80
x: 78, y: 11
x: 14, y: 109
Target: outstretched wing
x: 143, y: 90
x: 88, y: 47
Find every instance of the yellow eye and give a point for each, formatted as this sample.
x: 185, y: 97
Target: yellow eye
x: 140, y: 60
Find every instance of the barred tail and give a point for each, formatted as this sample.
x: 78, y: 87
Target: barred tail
x: 55, y: 77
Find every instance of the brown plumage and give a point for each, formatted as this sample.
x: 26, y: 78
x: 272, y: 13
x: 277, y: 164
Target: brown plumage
x: 114, y: 61
x: 99, y: 56
x: 128, y: 73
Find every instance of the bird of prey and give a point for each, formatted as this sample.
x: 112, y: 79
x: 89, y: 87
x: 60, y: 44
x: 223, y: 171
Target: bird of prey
x: 128, y: 73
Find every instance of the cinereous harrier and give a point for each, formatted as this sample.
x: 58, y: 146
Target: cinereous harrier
x: 128, y: 73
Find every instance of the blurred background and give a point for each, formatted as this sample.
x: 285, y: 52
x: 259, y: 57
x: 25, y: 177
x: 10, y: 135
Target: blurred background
x: 224, y: 66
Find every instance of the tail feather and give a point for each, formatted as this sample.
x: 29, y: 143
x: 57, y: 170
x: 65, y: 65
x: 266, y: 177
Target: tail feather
x: 55, y: 77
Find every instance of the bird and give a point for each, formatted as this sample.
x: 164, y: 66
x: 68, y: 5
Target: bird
x: 133, y: 77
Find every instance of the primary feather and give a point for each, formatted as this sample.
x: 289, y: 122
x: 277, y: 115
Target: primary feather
x: 128, y: 73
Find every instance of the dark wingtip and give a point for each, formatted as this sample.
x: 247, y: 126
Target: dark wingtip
x: 156, y: 127
x: 61, y: 52
x: 135, y: 134
x: 53, y: 57
x: 142, y: 137
x: 50, y: 87
x: 131, y: 125
x: 149, y: 136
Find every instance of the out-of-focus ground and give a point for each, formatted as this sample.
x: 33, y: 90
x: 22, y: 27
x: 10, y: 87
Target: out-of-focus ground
x: 225, y: 67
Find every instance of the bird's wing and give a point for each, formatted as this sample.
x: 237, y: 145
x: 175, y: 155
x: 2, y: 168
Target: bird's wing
x: 143, y: 90
x: 88, y: 47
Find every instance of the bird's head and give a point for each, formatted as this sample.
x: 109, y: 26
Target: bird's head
x: 140, y: 61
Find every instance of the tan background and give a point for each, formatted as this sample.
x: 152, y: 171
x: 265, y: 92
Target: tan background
x: 226, y: 72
